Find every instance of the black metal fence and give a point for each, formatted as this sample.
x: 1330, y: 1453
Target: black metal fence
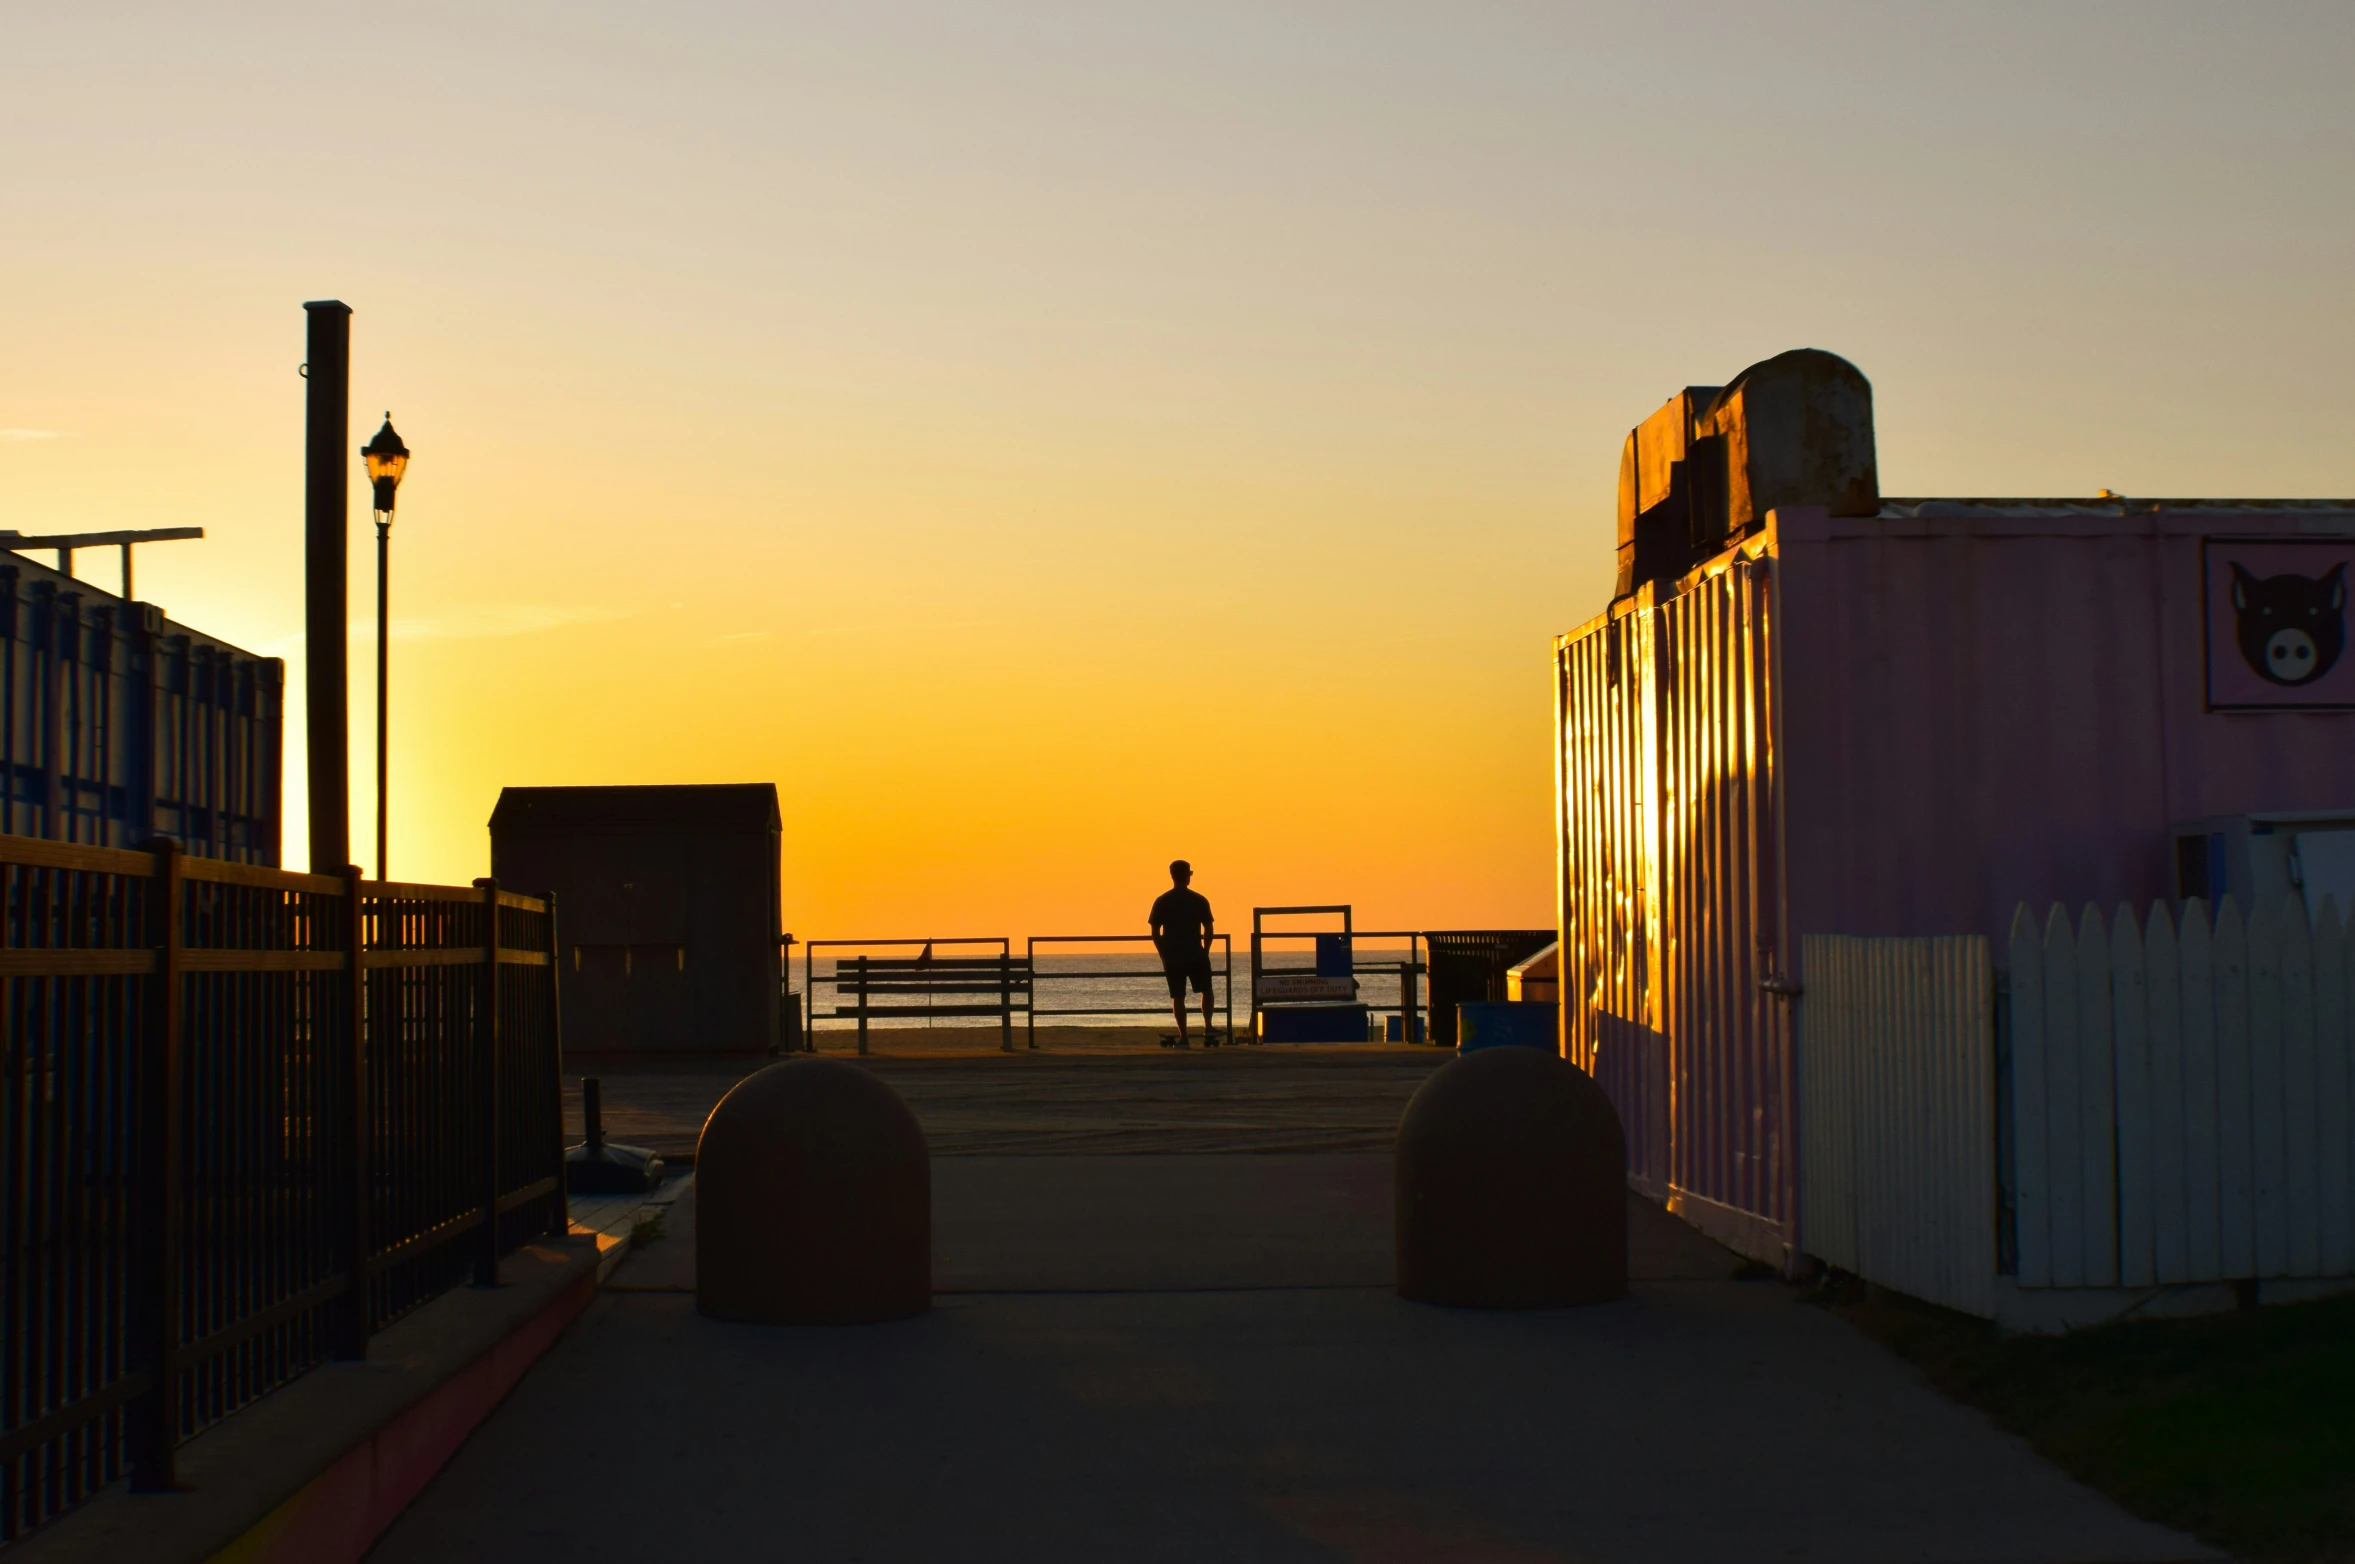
x: 247, y: 1118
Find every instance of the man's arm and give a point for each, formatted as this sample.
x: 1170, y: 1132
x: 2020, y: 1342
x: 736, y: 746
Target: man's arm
x: 1207, y: 923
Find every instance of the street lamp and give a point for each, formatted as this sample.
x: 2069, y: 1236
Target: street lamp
x: 387, y: 459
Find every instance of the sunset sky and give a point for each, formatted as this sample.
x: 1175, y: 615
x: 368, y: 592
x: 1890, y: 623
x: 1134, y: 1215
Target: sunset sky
x: 1049, y: 439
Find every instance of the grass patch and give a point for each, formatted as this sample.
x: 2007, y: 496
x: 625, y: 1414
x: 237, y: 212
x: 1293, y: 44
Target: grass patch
x: 2239, y: 1428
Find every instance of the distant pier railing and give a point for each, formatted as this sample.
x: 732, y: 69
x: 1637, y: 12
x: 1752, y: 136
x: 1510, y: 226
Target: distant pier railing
x: 924, y: 987
x: 247, y: 1118
x: 1224, y: 975
x: 980, y: 977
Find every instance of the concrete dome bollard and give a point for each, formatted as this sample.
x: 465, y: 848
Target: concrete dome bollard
x: 813, y: 1200
x: 1511, y: 1185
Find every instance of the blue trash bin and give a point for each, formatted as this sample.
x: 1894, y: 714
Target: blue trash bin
x: 1334, y: 956
x: 1505, y: 1023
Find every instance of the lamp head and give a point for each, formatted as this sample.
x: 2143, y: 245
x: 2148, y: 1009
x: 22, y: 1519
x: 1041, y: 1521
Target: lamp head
x: 387, y: 459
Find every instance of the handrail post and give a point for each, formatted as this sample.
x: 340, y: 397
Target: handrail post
x: 561, y: 1222
x: 1411, y: 1028
x: 486, y: 1076
x: 1005, y: 1002
x: 858, y: 976
x: 1229, y: 941
x: 154, y: 1416
x: 1030, y: 1001
x: 1255, y: 962
x: 354, y: 1314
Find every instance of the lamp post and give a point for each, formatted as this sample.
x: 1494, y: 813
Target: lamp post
x: 387, y: 458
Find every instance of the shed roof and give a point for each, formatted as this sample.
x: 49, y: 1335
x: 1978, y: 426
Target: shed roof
x: 701, y: 809
x: 2099, y: 505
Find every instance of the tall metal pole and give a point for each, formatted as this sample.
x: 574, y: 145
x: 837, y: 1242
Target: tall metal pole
x: 383, y: 677
x: 326, y: 481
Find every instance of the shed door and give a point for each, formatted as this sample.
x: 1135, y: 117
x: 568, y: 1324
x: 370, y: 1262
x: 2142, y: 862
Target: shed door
x: 658, y: 997
x: 628, y: 997
x: 1720, y: 917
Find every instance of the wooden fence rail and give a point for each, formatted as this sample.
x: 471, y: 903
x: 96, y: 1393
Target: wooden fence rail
x: 247, y: 1118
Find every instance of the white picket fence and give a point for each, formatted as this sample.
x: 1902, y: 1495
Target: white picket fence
x: 1897, y: 1114
x: 2182, y: 1104
x: 2181, y: 1096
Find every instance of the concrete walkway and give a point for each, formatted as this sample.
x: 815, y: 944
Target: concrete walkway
x: 1074, y: 1395
x: 1099, y: 1090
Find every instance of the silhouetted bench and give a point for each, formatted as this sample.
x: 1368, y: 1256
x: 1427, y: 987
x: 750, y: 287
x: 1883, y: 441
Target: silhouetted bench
x: 971, y: 986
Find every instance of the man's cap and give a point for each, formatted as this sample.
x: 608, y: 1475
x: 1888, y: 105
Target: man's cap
x: 1180, y: 866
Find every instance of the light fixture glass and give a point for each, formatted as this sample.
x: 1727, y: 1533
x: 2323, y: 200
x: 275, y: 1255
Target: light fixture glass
x: 387, y: 458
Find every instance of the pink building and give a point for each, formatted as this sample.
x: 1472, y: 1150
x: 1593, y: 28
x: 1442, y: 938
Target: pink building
x: 1813, y: 710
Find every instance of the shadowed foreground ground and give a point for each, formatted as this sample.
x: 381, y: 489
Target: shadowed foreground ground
x: 1199, y: 1358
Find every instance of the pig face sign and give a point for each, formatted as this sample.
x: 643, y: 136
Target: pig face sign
x: 2291, y: 628
x: 2277, y: 623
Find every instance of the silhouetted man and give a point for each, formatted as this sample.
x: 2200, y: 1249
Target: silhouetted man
x: 1181, y: 932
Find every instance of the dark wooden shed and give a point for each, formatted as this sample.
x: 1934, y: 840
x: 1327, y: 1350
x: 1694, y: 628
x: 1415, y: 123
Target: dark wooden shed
x: 666, y: 907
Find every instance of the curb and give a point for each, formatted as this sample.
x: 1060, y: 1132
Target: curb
x: 338, y: 1515
x: 314, y: 1472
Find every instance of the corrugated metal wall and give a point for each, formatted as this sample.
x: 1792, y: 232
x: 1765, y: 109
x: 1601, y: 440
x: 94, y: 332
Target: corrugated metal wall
x: 2008, y: 703
x: 1606, y: 910
x: 1980, y: 701
x: 1897, y: 1112
x: 117, y: 725
x: 1603, y: 739
x: 1671, y: 902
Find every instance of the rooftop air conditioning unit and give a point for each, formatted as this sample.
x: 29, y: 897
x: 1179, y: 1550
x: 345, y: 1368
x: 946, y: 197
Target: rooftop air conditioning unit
x: 2261, y: 859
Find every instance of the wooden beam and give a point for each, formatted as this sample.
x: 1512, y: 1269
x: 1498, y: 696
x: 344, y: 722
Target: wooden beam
x: 72, y: 540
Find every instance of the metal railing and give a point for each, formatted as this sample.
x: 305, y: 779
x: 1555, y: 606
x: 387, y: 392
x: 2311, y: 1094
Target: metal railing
x: 926, y: 976
x: 933, y: 987
x: 247, y: 1118
x: 1226, y: 973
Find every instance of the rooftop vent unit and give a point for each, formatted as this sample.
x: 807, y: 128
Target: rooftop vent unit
x: 1705, y: 469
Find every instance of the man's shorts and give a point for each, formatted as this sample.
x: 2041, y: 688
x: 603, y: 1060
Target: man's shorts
x: 1182, y: 966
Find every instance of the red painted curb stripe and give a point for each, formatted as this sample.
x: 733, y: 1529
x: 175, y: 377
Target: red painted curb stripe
x: 339, y: 1514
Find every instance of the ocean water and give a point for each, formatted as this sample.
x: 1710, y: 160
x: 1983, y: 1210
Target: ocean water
x: 1111, y: 988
